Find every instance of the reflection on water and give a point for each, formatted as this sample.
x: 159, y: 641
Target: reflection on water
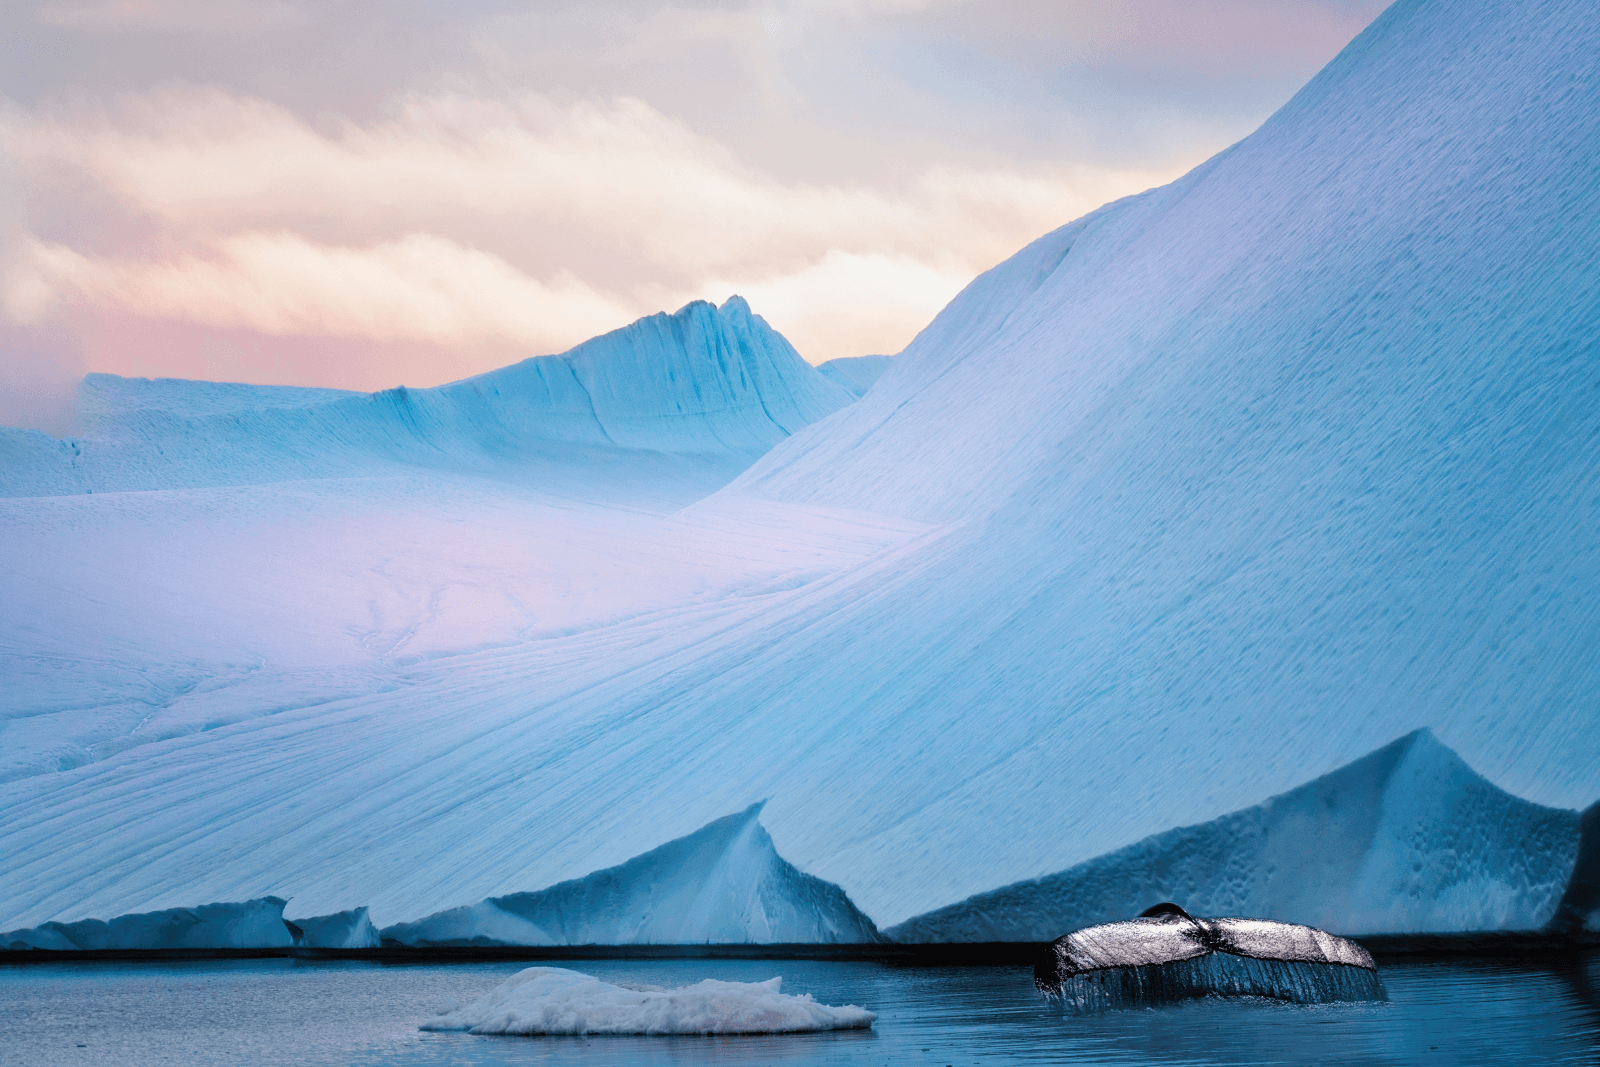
x: 271, y: 1012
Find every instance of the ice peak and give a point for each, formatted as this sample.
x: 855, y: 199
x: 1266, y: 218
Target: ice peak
x: 723, y: 883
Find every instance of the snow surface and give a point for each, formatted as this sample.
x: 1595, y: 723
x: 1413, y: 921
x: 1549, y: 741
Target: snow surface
x: 1406, y: 839
x: 722, y: 884
x: 553, y: 1000
x: 855, y: 373
x: 1194, y: 501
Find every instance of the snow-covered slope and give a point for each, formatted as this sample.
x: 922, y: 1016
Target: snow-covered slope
x: 1406, y: 839
x: 717, y: 384
x: 1192, y: 502
x: 723, y: 883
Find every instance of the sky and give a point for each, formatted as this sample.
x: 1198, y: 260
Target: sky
x: 367, y: 193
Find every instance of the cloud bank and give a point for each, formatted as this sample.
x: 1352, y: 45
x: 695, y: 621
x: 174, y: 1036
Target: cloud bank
x: 559, y: 170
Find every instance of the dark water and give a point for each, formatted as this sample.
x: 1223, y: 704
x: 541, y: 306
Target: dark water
x: 266, y: 1013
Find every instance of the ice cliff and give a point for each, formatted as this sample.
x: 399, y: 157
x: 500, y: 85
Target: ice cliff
x: 250, y: 924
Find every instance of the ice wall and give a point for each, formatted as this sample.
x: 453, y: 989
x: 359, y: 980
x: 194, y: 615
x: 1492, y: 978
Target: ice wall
x: 250, y: 924
x: 1407, y: 839
x: 705, y: 381
x: 345, y: 929
x: 725, y: 883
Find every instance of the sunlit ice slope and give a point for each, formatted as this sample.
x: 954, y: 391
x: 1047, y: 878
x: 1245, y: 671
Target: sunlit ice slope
x: 1232, y: 484
x: 1252, y: 474
x: 383, y: 532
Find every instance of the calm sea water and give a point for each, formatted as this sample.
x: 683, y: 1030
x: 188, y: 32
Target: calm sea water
x: 342, y: 1014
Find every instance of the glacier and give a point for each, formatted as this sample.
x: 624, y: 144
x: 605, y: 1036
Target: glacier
x: 1192, y: 502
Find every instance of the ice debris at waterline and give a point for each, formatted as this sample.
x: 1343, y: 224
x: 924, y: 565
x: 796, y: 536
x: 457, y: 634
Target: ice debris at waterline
x: 246, y: 924
x: 1166, y: 954
x: 554, y: 1000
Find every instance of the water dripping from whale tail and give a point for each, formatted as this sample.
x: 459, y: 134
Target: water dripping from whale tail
x: 1167, y: 955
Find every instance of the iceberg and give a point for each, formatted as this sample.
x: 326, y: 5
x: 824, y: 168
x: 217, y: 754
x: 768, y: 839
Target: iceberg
x: 553, y: 1000
x: 722, y: 884
x: 708, y: 384
x: 1406, y: 839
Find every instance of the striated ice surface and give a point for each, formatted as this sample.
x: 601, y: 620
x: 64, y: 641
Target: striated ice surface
x: 723, y: 883
x: 250, y: 924
x: 553, y: 1000
x: 1406, y: 839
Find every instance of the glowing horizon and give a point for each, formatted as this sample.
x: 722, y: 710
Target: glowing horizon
x: 254, y: 191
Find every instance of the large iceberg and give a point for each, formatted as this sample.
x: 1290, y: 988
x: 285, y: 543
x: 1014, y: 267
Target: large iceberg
x: 1194, y: 501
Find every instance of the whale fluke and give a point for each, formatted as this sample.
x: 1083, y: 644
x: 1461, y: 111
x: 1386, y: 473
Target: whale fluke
x: 1166, y: 954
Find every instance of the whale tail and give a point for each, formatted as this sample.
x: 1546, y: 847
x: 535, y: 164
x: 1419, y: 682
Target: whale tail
x: 1167, y: 955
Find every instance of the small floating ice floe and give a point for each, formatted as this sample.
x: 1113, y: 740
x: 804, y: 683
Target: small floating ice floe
x: 554, y: 1000
x: 1166, y: 954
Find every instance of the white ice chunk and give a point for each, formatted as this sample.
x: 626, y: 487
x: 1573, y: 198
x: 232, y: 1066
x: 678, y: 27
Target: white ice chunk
x: 553, y: 1000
